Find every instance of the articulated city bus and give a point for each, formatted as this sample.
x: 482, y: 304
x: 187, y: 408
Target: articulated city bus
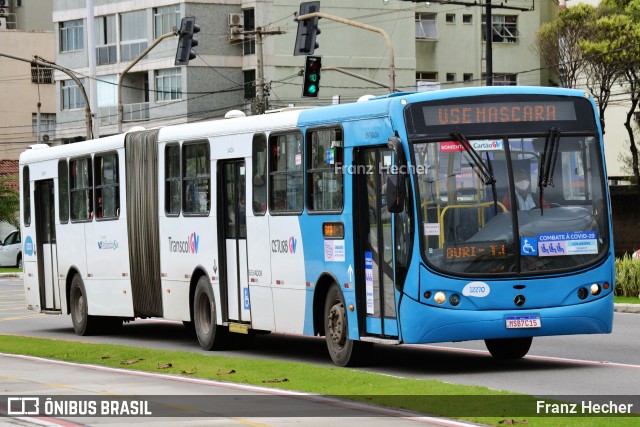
x: 465, y: 214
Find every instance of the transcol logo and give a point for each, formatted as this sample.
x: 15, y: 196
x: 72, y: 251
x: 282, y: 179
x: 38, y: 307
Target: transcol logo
x: 284, y: 246
x: 185, y: 246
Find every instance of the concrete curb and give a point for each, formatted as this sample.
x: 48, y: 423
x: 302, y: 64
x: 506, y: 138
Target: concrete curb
x: 620, y: 308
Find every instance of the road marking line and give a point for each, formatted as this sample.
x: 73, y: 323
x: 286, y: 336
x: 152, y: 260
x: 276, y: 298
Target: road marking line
x: 21, y: 317
x: 14, y: 308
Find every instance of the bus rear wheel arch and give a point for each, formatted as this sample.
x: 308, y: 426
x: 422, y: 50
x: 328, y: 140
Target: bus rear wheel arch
x: 509, y: 348
x: 343, y: 350
x: 211, y: 336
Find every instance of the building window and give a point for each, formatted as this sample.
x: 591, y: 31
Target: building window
x: 249, y: 84
x: 450, y: 18
x: 172, y: 180
x: 63, y: 191
x: 168, y: 84
x: 467, y: 19
x: 41, y: 75
x: 80, y: 189
x: 107, y: 186
x: 467, y: 77
x: 72, y: 35
x: 286, y: 188
x: 451, y: 77
x: 249, y: 43
x: 133, y: 34
x: 47, y: 123
x: 427, y: 81
x: 165, y: 18
x: 324, y: 170
x: 259, y: 164
x: 106, y: 40
x: 426, y: 28
x: 72, y: 97
x: 196, y: 178
x: 503, y: 79
x: 504, y: 28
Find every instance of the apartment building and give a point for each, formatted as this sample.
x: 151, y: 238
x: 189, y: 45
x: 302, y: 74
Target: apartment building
x: 431, y: 46
x: 26, y: 30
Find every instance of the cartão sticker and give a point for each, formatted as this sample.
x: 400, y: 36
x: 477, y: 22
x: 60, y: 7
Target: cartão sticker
x: 476, y: 289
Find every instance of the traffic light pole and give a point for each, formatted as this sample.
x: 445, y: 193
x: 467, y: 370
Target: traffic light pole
x: 130, y: 66
x: 392, y: 68
x: 44, y: 63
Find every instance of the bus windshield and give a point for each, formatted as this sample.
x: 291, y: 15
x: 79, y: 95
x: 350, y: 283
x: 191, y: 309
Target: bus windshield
x: 542, y: 208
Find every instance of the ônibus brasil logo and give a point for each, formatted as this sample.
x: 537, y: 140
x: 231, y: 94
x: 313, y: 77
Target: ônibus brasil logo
x: 190, y: 245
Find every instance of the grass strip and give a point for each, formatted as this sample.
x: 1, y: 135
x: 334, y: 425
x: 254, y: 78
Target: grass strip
x: 424, y: 396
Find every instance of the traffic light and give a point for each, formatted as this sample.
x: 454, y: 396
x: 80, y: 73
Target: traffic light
x: 311, y: 85
x: 307, y: 29
x: 186, y: 41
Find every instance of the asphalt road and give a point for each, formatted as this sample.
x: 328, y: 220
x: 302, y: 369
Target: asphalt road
x: 597, y: 365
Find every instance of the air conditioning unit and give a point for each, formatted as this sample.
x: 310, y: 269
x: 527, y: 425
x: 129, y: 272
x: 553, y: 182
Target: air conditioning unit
x: 236, y: 26
x: 4, y: 11
x: 45, y: 138
x: 236, y: 20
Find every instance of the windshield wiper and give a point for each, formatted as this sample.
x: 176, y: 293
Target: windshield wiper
x: 548, y: 162
x: 485, y: 172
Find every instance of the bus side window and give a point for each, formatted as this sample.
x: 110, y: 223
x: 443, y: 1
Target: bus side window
x: 26, y: 196
x: 172, y: 180
x: 259, y: 155
x: 107, y: 186
x: 324, y: 148
x: 286, y: 173
x: 81, y: 189
x: 63, y: 191
x: 196, y: 178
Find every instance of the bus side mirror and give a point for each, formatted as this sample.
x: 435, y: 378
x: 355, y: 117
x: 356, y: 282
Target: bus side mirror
x: 395, y: 178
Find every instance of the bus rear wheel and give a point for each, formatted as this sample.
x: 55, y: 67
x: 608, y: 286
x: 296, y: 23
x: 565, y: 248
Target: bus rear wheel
x: 343, y: 351
x: 210, y: 336
x: 509, y: 348
x: 83, y: 324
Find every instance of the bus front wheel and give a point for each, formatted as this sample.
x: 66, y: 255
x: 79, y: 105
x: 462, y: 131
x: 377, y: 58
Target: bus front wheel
x: 210, y: 336
x: 343, y: 351
x: 83, y: 324
x: 509, y: 348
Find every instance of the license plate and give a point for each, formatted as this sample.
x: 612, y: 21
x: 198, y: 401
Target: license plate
x: 520, y: 322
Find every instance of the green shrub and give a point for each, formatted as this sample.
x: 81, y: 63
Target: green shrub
x: 627, y: 277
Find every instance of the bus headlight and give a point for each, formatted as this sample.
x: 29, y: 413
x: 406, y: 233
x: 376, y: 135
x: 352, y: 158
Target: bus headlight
x: 440, y: 297
x: 595, y: 289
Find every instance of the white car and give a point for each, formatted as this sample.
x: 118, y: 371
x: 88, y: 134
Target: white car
x: 11, y: 250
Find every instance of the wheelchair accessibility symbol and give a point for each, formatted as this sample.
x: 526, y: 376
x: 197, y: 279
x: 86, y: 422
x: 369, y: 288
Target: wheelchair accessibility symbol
x: 528, y: 246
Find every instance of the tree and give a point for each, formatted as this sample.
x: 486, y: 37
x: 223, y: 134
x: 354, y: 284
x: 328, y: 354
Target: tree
x: 9, y: 203
x: 559, y: 42
x: 614, y: 51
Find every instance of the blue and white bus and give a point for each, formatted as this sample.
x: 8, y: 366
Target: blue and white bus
x: 465, y: 214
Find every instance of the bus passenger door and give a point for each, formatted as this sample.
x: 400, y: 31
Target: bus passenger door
x: 373, y: 226
x: 235, y: 295
x: 47, y: 258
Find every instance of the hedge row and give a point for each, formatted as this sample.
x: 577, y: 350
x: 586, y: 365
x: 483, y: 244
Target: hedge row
x: 627, y: 277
